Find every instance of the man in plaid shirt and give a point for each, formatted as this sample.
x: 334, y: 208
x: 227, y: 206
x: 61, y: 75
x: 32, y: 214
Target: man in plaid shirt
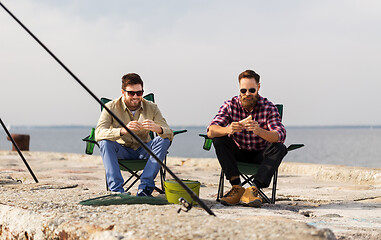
x: 259, y: 140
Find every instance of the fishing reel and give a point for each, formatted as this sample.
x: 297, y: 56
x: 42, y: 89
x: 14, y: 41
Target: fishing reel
x: 184, y: 205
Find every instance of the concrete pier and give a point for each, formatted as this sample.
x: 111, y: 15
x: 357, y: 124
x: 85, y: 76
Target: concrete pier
x: 313, y: 202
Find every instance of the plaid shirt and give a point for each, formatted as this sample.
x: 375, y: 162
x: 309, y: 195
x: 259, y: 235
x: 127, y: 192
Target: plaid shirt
x: 265, y: 113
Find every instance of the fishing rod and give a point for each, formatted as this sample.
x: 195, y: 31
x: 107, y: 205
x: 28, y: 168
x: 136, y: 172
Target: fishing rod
x: 18, y: 149
x: 185, y: 187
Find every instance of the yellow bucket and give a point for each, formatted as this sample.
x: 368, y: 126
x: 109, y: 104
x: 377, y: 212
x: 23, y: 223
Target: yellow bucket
x: 174, y: 191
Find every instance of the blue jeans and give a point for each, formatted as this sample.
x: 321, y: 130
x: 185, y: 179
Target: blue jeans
x: 112, y: 151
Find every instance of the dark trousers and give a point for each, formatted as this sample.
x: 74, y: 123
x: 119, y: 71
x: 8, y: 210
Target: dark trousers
x: 268, y: 159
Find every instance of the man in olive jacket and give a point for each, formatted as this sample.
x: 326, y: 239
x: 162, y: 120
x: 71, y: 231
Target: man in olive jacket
x: 141, y: 117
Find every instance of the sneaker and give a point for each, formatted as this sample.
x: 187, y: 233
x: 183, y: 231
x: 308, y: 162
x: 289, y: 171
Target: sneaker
x: 144, y: 193
x: 233, y: 196
x: 250, y: 197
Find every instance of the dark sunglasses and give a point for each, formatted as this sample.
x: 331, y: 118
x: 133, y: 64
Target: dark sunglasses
x: 132, y: 93
x: 244, y: 90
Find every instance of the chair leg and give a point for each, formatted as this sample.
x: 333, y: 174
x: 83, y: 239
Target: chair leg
x: 159, y: 190
x: 132, y: 176
x: 162, y: 176
x: 250, y: 179
x: 130, y: 186
x: 165, y: 162
x: 247, y: 179
x: 162, y: 180
x: 275, y: 179
x: 137, y: 176
x: 220, y: 191
x: 107, y: 189
x: 263, y: 195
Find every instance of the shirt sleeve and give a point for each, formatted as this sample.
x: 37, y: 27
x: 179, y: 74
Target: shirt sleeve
x: 223, y: 117
x: 104, y: 129
x: 160, y: 120
x: 274, y: 123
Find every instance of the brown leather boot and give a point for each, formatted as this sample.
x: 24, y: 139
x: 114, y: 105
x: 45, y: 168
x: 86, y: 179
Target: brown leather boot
x: 233, y: 196
x: 250, y: 197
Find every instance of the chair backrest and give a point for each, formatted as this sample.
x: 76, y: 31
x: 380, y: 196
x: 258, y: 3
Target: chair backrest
x: 280, y: 110
x: 150, y: 97
x: 104, y: 101
x: 294, y: 145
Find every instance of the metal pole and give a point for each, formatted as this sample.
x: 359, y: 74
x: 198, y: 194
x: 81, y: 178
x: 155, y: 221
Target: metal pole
x: 186, y: 188
x: 18, y: 150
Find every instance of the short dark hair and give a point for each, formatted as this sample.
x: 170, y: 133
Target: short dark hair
x: 249, y: 74
x: 131, y: 79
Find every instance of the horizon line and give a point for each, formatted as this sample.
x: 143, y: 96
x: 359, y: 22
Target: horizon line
x: 201, y: 126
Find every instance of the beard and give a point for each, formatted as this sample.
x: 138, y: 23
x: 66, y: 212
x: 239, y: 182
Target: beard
x: 249, y: 102
x: 133, y: 103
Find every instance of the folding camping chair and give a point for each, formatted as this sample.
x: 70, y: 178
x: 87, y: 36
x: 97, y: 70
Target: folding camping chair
x: 248, y: 170
x: 134, y: 166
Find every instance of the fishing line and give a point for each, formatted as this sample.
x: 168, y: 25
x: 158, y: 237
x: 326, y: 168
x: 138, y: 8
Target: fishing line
x: 185, y: 187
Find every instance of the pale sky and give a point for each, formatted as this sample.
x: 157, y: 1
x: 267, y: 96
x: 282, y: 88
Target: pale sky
x: 321, y: 59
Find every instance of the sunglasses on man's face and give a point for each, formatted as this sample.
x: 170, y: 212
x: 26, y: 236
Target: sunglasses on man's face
x: 244, y: 90
x: 132, y: 93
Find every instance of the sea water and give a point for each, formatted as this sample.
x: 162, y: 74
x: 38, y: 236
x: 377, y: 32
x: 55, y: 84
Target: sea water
x: 351, y: 146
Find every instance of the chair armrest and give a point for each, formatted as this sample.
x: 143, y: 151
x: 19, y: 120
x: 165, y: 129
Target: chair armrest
x: 87, y: 139
x: 179, y: 131
x: 294, y: 146
x: 207, y: 142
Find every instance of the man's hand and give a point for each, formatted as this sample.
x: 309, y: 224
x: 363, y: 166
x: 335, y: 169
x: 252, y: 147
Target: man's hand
x: 253, y: 126
x: 218, y: 131
x: 270, y: 136
x: 152, y: 126
x: 133, y: 126
x: 235, y: 127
